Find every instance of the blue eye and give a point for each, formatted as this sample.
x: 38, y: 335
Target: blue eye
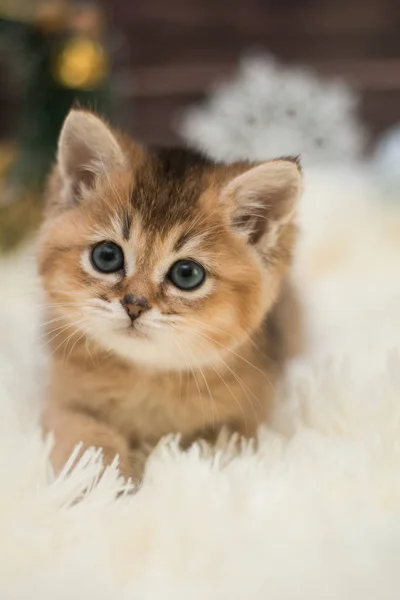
x: 107, y: 257
x: 187, y: 275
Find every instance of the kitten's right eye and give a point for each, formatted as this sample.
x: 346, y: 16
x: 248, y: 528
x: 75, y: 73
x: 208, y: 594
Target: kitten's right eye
x: 187, y: 275
x: 107, y: 257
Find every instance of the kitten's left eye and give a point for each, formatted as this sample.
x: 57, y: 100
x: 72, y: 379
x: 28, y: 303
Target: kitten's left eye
x: 187, y: 275
x: 107, y: 257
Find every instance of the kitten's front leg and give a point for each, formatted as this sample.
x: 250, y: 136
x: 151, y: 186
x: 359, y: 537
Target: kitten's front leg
x: 72, y: 426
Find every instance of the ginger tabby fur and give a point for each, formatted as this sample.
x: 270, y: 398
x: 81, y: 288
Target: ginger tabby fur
x: 187, y: 361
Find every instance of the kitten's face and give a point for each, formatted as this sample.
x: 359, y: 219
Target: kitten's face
x: 149, y: 263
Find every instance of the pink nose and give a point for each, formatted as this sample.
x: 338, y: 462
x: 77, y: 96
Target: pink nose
x: 134, y: 305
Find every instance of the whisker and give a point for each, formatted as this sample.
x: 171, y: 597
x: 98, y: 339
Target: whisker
x: 216, y: 416
x: 219, y: 330
x: 243, y: 386
x: 66, y: 342
x: 54, y: 329
x: 66, y: 317
x: 92, y: 323
x: 64, y: 329
x: 250, y: 364
x: 89, y: 337
x: 55, y: 320
x: 196, y: 382
x: 73, y: 346
x: 230, y: 390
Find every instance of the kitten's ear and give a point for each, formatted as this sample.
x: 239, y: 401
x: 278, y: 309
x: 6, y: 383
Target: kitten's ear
x: 264, y: 198
x: 86, y: 148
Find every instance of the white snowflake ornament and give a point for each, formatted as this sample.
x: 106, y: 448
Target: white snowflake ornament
x: 268, y: 110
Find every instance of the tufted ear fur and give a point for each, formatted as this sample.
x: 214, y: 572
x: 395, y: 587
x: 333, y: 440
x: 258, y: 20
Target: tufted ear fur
x: 86, y: 148
x: 264, y: 198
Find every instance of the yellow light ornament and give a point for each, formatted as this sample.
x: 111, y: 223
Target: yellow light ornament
x: 81, y: 64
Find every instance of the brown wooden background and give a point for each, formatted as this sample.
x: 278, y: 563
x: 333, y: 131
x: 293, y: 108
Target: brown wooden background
x: 175, y: 49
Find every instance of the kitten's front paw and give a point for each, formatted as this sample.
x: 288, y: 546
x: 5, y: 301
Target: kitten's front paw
x: 75, y: 432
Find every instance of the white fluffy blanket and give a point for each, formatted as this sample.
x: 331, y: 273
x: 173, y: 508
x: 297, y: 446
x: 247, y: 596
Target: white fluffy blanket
x: 314, y: 514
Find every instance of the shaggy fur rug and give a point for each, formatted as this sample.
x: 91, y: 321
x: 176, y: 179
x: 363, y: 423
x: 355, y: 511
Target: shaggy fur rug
x: 313, y: 513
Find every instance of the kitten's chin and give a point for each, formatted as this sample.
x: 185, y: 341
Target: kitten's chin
x: 161, y: 354
x: 133, y: 333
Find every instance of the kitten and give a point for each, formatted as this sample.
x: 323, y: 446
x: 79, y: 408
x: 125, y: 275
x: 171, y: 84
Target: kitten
x: 169, y: 308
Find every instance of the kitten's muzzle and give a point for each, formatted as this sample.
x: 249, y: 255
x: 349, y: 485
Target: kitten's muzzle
x: 135, y: 305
